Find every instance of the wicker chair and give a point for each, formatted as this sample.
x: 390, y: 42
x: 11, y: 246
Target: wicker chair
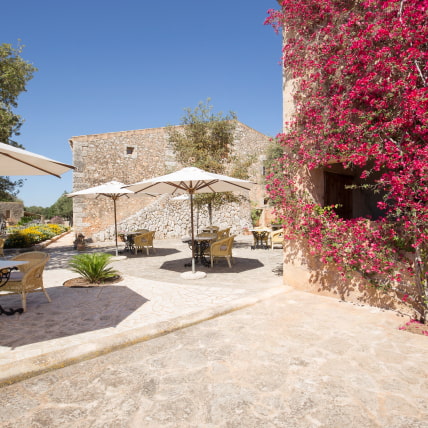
x: 223, y: 233
x: 29, y: 279
x: 261, y: 238
x: 2, y: 241
x: 145, y: 240
x: 222, y: 248
x: 277, y: 238
x: 210, y: 229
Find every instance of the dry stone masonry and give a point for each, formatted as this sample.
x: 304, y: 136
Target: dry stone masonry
x: 171, y: 219
x: 132, y: 156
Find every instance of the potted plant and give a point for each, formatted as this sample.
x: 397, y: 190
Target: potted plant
x: 79, y: 242
x: 93, y: 267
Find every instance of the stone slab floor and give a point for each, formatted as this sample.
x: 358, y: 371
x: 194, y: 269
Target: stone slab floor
x: 296, y: 360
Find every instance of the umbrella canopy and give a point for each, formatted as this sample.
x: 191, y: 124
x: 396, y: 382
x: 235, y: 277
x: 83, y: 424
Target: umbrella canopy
x: 191, y: 180
x: 113, y: 190
x: 15, y: 161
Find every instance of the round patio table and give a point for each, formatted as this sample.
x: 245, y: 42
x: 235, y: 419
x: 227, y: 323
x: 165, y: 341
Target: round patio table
x: 261, y: 238
x: 202, y: 243
x: 6, y: 267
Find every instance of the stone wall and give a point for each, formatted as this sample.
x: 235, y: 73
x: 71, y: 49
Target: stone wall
x: 11, y: 211
x: 171, y: 219
x: 132, y: 156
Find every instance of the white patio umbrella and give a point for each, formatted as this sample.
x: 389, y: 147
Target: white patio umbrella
x: 113, y: 190
x: 191, y: 180
x: 16, y: 161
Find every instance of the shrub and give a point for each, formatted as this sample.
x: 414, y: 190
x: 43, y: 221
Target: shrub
x: 18, y: 240
x: 255, y: 216
x: 57, y: 220
x: 93, y: 267
x: 28, y: 236
x: 26, y: 219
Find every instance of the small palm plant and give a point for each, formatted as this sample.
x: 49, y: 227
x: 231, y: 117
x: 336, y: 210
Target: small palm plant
x: 93, y: 267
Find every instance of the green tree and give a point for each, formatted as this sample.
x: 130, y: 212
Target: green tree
x: 274, y: 152
x: 8, y: 189
x: 36, y: 212
x: 14, y: 75
x: 205, y: 140
x: 63, y: 207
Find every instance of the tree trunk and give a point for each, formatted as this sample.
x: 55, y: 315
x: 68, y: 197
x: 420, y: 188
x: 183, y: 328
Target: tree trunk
x: 421, y: 283
x: 210, y: 212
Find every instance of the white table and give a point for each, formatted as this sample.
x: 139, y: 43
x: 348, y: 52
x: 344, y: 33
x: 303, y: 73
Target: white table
x: 5, y: 264
x: 8, y: 266
x: 261, y: 237
x: 209, y: 229
x: 202, y: 242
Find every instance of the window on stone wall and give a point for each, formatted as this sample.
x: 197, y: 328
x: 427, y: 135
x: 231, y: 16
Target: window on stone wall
x: 345, y: 189
x: 129, y: 150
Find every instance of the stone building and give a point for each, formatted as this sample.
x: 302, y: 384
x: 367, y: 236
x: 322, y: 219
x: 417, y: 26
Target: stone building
x: 132, y: 156
x: 11, y: 212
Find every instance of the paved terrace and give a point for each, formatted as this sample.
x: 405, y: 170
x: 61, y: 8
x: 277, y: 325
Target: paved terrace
x: 242, y: 350
x: 151, y: 299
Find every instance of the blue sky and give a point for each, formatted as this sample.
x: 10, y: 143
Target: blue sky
x: 108, y: 66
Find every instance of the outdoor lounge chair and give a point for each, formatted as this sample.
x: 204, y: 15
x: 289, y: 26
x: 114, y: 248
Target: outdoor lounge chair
x: 144, y: 240
x: 222, y: 248
x: 277, y: 238
x: 29, y: 279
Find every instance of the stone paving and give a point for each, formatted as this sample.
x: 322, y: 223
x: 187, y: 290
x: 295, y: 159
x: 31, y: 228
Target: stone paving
x: 289, y: 360
x: 84, y: 322
x: 296, y: 360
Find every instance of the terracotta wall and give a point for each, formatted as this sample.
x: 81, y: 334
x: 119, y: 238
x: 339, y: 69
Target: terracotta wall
x: 304, y: 271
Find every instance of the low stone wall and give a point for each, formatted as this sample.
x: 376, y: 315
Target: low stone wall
x: 171, y: 219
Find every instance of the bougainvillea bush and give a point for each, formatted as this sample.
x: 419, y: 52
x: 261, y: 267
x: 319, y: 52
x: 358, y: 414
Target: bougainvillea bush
x: 361, y: 99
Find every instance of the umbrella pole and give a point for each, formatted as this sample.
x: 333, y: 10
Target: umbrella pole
x: 193, y: 234
x: 115, y: 226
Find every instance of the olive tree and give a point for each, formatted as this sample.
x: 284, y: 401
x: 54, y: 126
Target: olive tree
x: 205, y: 140
x: 15, y: 73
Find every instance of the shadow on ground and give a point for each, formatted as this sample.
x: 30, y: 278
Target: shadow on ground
x: 68, y: 314
x: 61, y: 259
x: 159, y: 252
x: 240, y: 264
